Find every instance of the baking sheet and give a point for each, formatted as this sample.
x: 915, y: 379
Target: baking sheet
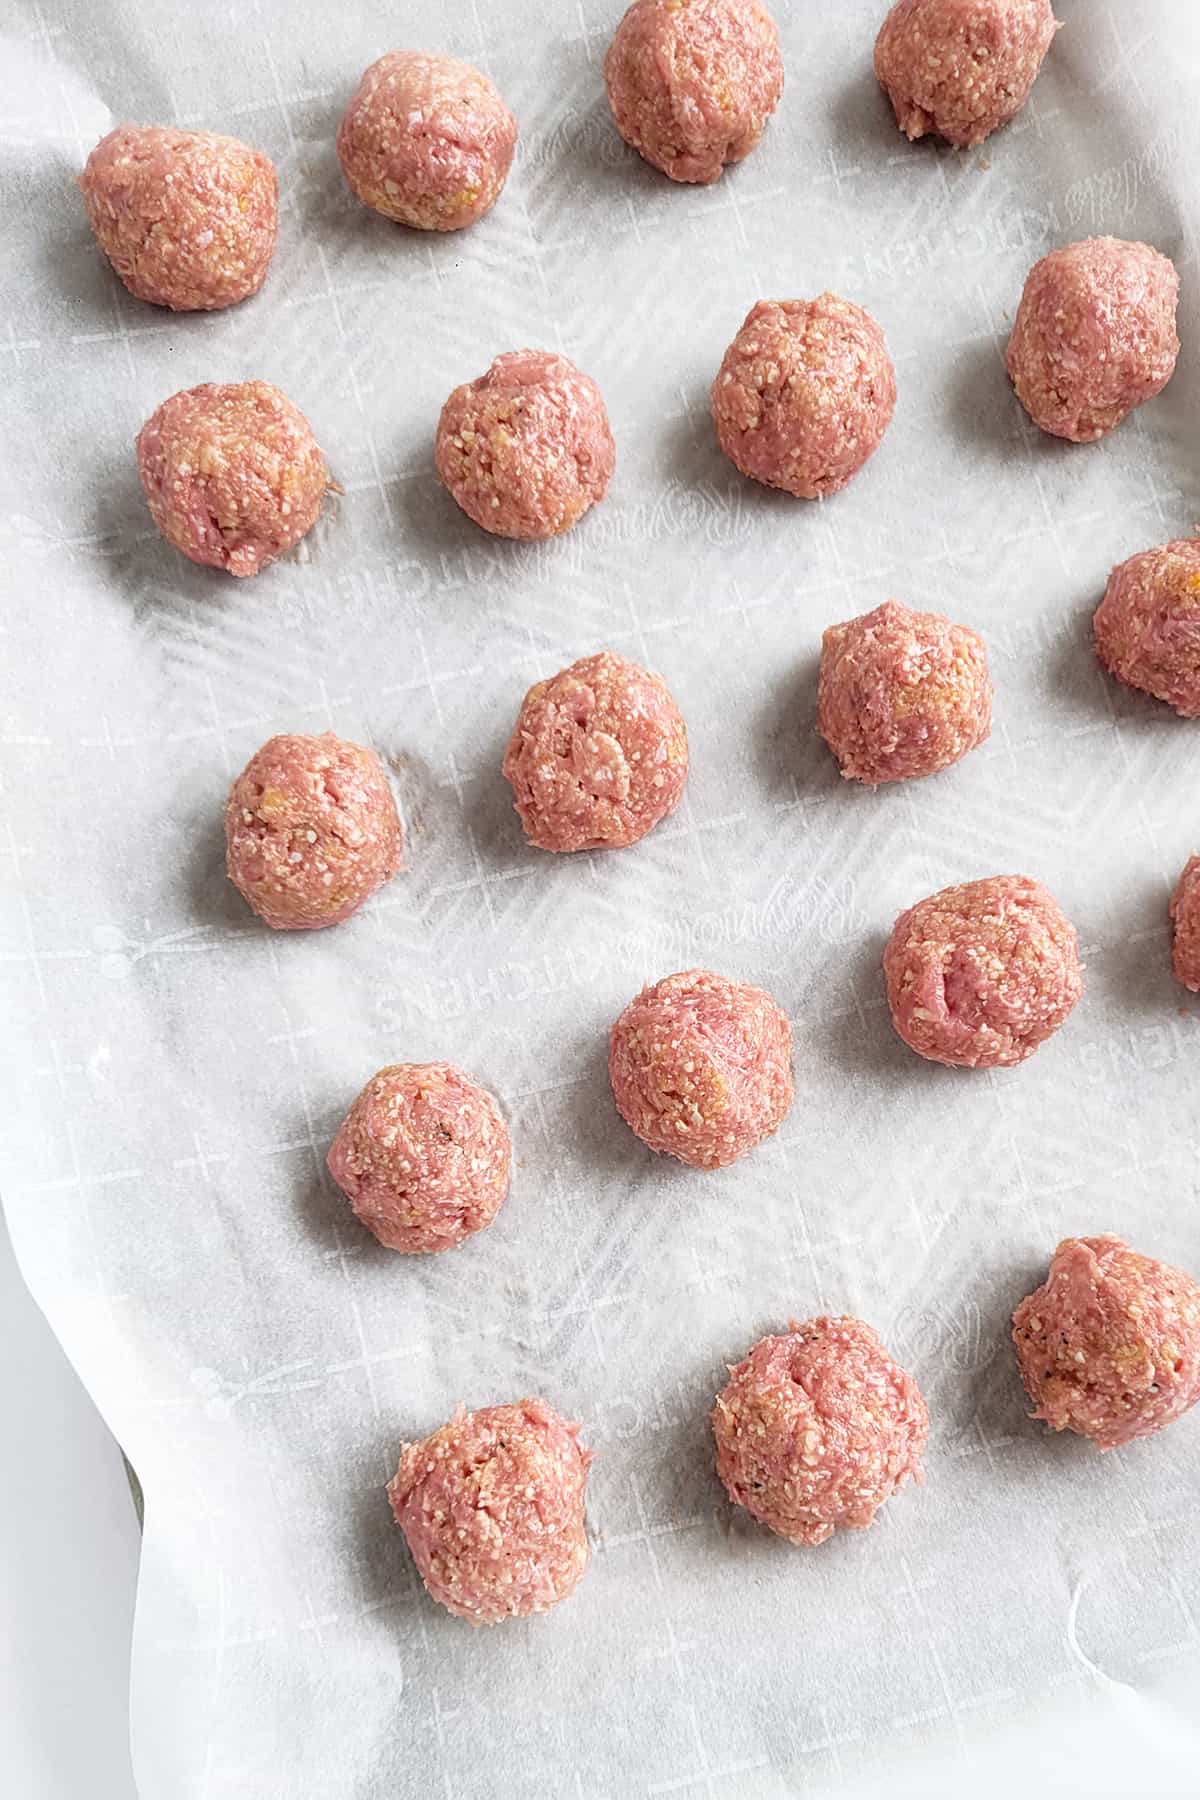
x: 172, y: 1072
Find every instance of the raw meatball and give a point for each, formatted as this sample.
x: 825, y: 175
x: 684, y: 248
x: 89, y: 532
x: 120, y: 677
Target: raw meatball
x: 1109, y: 1345
x: 186, y: 218
x: 1094, y: 336
x: 692, y: 83
x: 816, y: 1429
x: 598, y: 756
x: 427, y: 141
x: 701, y: 1067
x: 422, y: 1157
x: 804, y: 394
x: 232, y: 474
x: 526, y: 449
x: 961, y: 68
x: 902, y: 694
x: 979, y: 975
x: 1185, y: 923
x: 492, y: 1508
x: 1147, y: 627
x: 311, y: 831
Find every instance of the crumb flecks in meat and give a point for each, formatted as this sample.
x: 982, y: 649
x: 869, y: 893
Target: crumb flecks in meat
x: 804, y: 394
x: 692, y: 83
x: 902, y: 694
x: 979, y: 975
x: 311, y: 831
x: 1185, y: 926
x: 1109, y: 1345
x: 1094, y: 336
x: 188, y: 219
x: 492, y: 1507
x: 701, y: 1067
x: 232, y: 474
x: 961, y: 68
x: 1147, y: 627
x: 426, y: 141
x: 598, y: 756
x: 817, y: 1428
x: 423, y: 1157
x: 526, y: 449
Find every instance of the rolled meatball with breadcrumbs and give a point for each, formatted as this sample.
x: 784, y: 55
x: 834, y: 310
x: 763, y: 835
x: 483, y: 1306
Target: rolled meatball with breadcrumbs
x: 692, y: 83
x: 526, y: 449
x: 492, y: 1508
x: 804, y: 394
x: 187, y: 219
x: 232, y: 474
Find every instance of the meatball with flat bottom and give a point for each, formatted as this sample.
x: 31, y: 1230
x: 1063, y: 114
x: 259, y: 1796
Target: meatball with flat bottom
x: 961, y: 68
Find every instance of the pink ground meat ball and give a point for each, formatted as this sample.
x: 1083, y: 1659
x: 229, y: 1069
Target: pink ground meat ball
x: 1185, y: 925
x: 979, y: 975
x: 427, y: 141
x: 311, y: 831
x: 492, y: 1506
x: 526, y: 449
x: 817, y: 1428
x: 1109, y: 1345
x: 232, y: 474
x: 186, y: 218
x: 902, y: 694
x: 598, y: 756
x: 961, y: 68
x: 692, y: 83
x: 701, y: 1067
x: 1094, y: 336
x: 1147, y: 627
x: 423, y: 1157
x: 804, y: 394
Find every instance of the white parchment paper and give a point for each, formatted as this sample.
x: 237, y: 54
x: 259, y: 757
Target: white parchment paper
x: 172, y: 1072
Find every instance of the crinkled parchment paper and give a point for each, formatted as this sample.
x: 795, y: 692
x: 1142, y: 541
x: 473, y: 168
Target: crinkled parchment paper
x: 172, y: 1072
